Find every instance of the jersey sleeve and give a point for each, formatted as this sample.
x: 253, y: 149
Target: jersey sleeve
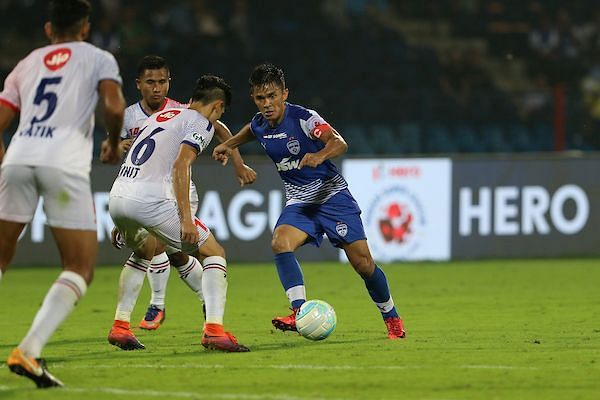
x: 254, y: 123
x: 107, y: 67
x: 10, y: 96
x: 308, y: 125
x: 128, y: 120
x: 199, y: 133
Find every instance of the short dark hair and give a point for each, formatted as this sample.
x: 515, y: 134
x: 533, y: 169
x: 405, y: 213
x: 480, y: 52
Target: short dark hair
x: 66, y: 16
x: 152, y: 62
x: 210, y: 88
x: 265, y: 74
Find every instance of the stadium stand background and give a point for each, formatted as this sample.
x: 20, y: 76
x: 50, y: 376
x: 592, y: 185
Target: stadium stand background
x: 396, y: 77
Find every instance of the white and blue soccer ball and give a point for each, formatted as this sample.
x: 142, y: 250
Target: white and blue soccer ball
x: 315, y: 320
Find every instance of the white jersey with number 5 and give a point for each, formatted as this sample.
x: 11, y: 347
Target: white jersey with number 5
x: 55, y: 88
x: 146, y: 172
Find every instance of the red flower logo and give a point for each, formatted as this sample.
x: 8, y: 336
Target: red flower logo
x: 396, y: 225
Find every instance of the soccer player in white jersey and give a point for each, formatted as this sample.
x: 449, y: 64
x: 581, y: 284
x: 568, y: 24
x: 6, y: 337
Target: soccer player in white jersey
x: 55, y: 89
x: 153, y: 81
x: 150, y: 200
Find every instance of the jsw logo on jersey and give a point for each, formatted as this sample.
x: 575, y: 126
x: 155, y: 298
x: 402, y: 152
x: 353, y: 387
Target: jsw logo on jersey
x: 287, y: 165
x: 57, y: 59
x: 167, y: 115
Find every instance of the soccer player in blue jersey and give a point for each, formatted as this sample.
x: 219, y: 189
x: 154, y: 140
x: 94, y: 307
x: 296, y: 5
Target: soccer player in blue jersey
x: 301, y: 144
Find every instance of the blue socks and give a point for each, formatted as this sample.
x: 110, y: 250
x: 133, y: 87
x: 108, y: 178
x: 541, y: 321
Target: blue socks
x: 379, y: 291
x: 291, y: 278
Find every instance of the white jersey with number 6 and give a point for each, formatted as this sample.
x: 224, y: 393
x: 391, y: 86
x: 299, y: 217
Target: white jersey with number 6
x: 135, y: 116
x: 145, y: 175
x: 55, y: 88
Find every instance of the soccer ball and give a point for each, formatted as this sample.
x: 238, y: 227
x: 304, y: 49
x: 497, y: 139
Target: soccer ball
x: 315, y: 320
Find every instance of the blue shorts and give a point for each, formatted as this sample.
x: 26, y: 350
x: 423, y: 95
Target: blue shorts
x: 338, y: 217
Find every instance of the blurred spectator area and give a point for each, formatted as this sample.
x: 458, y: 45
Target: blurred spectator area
x: 394, y: 76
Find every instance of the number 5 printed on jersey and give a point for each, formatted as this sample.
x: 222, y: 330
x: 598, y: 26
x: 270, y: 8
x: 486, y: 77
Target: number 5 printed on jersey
x: 42, y: 94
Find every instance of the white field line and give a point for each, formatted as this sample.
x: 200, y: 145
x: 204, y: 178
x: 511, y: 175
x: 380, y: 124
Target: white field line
x: 184, y: 395
x: 283, y: 366
x: 494, y: 367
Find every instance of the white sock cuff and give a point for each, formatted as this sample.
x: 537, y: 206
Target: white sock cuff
x: 387, y: 306
x: 296, y: 293
x: 138, y: 263
x: 0, y: 274
x: 160, y: 259
x: 73, y: 281
x: 215, y: 262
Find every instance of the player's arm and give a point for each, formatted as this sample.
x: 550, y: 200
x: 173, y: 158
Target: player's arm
x: 113, y: 104
x: 181, y: 186
x: 244, y: 173
x: 6, y: 117
x: 223, y: 151
x: 335, y: 145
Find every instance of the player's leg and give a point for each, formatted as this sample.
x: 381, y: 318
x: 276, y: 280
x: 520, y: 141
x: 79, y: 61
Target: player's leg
x: 18, y: 201
x: 377, y: 285
x: 9, y: 234
x: 214, y: 288
x: 286, y: 240
x: 131, y: 281
x: 189, y: 269
x: 124, y: 213
x: 214, y: 285
x: 340, y: 217
x: 158, y: 277
x: 70, y: 213
x: 294, y: 228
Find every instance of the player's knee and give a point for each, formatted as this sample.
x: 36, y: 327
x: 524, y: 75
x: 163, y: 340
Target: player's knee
x: 85, y: 271
x: 363, y: 265
x: 217, y: 250
x: 279, y: 245
x: 221, y: 252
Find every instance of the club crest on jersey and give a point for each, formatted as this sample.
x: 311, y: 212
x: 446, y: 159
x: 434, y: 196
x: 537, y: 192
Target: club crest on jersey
x: 294, y: 147
x: 57, y: 59
x: 341, y: 228
x: 167, y: 115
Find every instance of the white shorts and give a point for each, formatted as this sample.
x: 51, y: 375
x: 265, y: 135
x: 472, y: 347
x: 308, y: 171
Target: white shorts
x: 135, y: 220
x: 68, y: 201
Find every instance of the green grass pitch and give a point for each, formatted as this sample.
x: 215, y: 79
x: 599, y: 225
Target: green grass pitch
x: 521, y: 329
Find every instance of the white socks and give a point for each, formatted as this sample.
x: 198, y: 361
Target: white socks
x: 130, y: 284
x: 191, y: 273
x: 58, y: 304
x: 0, y: 274
x: 158, y: 276
x: 296, y: 293
x: 214, y: 286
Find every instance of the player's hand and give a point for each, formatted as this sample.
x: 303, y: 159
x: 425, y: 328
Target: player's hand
x: 125, y: 145
x: 110, y: 154
x: 245, y: 175
x: 222, y: 153
x: 116, y: 238
x: 189, y: 232
x: 310, y: 160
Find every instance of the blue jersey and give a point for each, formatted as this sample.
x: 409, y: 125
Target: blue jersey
x: 287, y: 143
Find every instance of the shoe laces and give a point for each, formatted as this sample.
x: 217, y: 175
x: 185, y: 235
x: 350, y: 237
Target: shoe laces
x: 152, y: 313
